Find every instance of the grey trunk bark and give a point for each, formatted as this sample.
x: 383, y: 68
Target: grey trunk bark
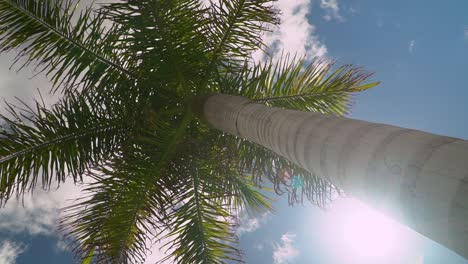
x: 417, y: 178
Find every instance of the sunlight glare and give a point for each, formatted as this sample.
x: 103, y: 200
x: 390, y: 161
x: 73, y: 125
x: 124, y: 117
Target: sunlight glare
x: 357, y: 233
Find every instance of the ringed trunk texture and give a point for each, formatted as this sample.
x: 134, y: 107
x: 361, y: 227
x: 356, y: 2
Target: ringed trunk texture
x: 418, y: 178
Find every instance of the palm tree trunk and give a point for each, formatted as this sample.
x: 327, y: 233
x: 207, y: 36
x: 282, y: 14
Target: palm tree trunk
x: 415, y: 177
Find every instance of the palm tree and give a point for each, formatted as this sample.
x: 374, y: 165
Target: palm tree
x: 139, y: 117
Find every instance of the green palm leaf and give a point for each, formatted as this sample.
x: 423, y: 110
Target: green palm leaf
x: 296, y: 84
x: 207, y: 203
x: 69, y: 51
x: 236, y: 30
x: 262, y: 164
x: 200, y: 231
x: 123, y: 209
x: 130, y: 199
x: 167, y: 39
x: 229, y: 183
x: 41, y: 144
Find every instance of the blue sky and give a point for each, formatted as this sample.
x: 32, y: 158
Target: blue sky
x: 417, y: 49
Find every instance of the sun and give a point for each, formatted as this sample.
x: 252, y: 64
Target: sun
x: 364, y: 231
x: 355, y: 233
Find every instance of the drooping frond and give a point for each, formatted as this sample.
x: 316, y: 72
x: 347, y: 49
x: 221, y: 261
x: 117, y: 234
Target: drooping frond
x: 263, y: 164
x: 294, y: 84
x: 69, y: 45
x: 228, y: 183
x: 51, y: 144
x: 123, y: 211
x: 239, y: 192
x: 200, y: 228
x: 130, y: 199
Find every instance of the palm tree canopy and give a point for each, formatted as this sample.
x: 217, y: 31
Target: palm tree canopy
x: 130, y: 74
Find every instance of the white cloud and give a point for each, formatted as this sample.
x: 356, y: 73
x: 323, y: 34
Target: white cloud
x: 332, y: 10
x: 411, y: 46
x: 285, y: 252
x: 38, y: 213
x: 248, y: 224
x: 295, y: 35
x: 465, y: 33
x: 10, y: 250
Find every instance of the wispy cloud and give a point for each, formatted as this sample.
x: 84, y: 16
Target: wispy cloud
x: 285, y: 252
x: 465, y: 33
x: 295, y: 35
x: 332, y: 10
x: 250, y: 224
x: 10, y: 250
x: 411, y: 46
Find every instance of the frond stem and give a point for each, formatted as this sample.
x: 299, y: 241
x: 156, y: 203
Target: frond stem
x: 199, y: 214
x: 218, y: 48
x: 269, y: 99
x: 71, y: 40
x: 69, y: 137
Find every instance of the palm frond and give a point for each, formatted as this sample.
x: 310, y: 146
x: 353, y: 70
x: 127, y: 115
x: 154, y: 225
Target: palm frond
x: 208, y: 204
x: 69, y: 45
x: 263, y: 164
x: 124, y: 208
x: 228, y: 183
x: 131, y: 197
x: 242, y: 194
x: 236, y: 29
x: 200, y: 228
x: 66, y: 140
x: 167, y: 39
x: 296, y: 84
